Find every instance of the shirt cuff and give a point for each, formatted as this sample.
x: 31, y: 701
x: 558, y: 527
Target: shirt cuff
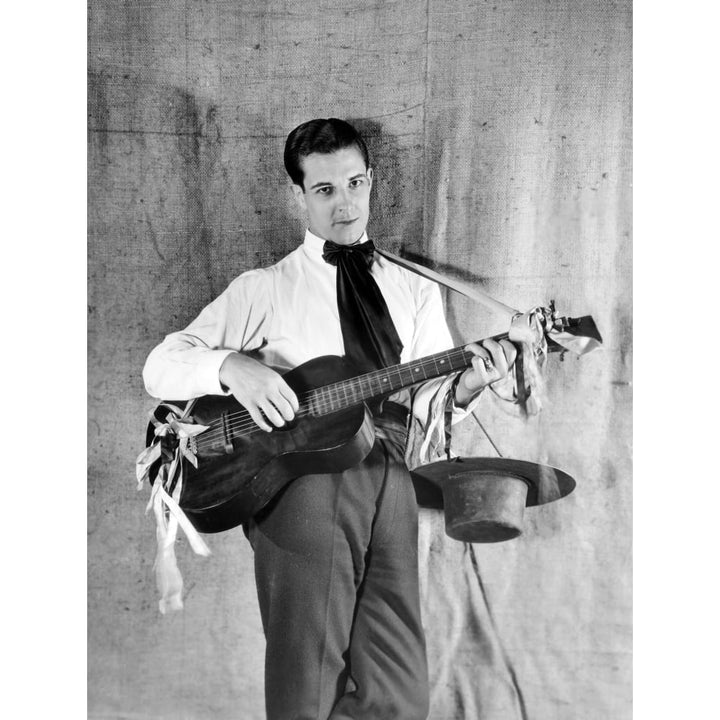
x: 460, y: 413
x: 208, y: 371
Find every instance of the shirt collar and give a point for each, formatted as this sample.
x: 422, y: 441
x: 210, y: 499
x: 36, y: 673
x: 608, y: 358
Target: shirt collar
x: 313, y: 244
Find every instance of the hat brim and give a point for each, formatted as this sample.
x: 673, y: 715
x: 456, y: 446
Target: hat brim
x: 545, y: 483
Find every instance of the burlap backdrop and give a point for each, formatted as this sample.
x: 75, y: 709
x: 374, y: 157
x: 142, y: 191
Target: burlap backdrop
x: 501, y: 136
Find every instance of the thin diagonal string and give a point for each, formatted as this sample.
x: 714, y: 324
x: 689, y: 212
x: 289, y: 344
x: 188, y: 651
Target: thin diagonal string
x: 243, y: 424
x: 503, y: 652
x: 240, y: 420
x: 487, y: 434
x: 327, y: 403
x: 351, y: 385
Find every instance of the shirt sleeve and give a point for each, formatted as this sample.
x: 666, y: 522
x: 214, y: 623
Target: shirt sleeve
x: 186, y: 364
x: 432, y: 336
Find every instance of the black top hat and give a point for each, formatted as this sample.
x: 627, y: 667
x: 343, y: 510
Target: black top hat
x: 484, y: 498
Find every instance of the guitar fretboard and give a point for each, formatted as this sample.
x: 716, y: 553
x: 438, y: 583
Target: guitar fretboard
x: 348, y: 393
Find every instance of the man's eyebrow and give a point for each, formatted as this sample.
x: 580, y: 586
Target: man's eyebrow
x: 324, y: 183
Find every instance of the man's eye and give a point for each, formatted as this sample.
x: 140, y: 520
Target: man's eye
x: 324, y: 190
x: 356, y: 183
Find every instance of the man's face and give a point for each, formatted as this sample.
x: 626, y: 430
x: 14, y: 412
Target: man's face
x: 336, y: 195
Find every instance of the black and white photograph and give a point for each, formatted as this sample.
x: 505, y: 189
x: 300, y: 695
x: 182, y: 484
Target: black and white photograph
x: 360, y: 360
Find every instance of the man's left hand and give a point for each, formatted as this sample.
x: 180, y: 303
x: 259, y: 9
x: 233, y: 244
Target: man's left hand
x: 491, y: 363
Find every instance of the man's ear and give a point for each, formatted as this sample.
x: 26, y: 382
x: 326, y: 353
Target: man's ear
x: 299, y: 195
x: 369, y: 174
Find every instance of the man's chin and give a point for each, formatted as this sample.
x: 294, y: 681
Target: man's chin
x: 348, y: 235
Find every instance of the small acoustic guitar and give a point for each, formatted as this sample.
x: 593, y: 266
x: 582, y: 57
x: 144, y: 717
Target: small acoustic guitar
x: 241, y: 467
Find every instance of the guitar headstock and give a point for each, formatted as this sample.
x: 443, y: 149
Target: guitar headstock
x: 583, y: 328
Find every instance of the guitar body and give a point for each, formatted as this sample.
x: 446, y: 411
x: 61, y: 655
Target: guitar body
x: 237, y: 477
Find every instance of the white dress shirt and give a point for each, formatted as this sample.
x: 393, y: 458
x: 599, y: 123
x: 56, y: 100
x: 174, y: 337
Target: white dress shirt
x: 287, y: 314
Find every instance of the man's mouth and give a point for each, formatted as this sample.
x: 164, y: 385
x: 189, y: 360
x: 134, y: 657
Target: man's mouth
x: 345, y: 222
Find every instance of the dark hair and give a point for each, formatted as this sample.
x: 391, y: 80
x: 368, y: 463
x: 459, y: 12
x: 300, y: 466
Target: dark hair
x: 320, y: 136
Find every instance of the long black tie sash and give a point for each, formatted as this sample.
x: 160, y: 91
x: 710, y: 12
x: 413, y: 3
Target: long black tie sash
x: 370, y: 338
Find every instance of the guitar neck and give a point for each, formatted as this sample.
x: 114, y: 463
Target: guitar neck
x: 348, y: 393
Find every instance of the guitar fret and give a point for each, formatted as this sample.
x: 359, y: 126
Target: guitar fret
x: 368, y: 387
x: 446, y: 362
x: 355, y: 393
x: 383, y: 382
x: 409, y: 374
x: 394, y: 381
x: 343, y: 400
x: 319, y: 399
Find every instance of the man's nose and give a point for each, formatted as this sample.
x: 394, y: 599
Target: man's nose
x: 343, y: 201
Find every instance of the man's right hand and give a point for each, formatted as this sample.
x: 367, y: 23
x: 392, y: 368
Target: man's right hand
x: 260, y: 390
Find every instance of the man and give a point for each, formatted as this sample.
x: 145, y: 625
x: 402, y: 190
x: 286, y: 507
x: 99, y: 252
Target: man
x: 335, y: 554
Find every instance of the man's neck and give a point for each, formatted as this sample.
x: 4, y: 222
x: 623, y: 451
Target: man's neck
x: 309, y: 233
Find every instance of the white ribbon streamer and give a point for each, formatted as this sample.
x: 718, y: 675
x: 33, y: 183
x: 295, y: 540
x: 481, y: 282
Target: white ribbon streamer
x: 168, y: 513
x: 433, y: 443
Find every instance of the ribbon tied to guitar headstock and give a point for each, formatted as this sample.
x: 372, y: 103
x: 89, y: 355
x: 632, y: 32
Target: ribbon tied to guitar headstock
x: 536, y: 332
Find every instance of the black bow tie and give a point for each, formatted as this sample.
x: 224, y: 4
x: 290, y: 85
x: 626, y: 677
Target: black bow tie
x: 369, y: 335
x: 332, y: 251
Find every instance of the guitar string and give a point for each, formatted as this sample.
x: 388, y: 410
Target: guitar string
x: 244, y: 428
x: 328, y: 404
x: 242, y: 424
x: 241, y: 420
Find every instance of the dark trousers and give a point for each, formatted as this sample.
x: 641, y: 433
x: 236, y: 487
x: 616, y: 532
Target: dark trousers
x: 337, y: 580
